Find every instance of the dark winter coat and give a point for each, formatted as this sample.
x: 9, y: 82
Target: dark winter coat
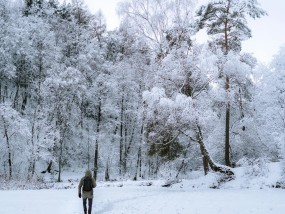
x: 86, y: 194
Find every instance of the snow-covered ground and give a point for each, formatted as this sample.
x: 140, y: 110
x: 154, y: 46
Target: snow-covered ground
x: 244, y: 195
x: 147, y: 200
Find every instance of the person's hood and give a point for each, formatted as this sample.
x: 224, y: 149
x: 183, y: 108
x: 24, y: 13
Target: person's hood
x: 88, y: 173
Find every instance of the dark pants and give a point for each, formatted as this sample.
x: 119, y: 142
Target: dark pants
x: 89, y: 205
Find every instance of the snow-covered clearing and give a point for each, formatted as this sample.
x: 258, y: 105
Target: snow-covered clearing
x: 141, y: 199
x: 244, y: 195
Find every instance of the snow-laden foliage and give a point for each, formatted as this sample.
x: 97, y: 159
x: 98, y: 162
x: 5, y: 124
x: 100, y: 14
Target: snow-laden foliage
x: 254, y: 167
x: 141, y: 101
x: 15, y: 143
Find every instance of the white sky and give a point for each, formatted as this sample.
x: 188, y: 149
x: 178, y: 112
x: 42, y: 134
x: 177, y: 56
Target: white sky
x: 268, y: 33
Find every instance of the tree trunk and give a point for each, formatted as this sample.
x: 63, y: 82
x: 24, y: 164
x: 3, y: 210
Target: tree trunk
x: 31, y: 171
x: 88, y: 149
x: 138, y: 172
x: 121, y: 138
x: 180, y: 168
x: 128, y: 146
x: 16, y: 98
x: 60, y: 160
x: 5, y: 93
x: 125, y: 153
x: 205, y: 161
x: 96, y: 155
x: 199, y: 138
x: 138, y: 166
x: 222, y: 169
x: 0, y: 92
x: 24, y: 102
x: 96, y: 160
x: 227, y: 130
x: 107, y: 175
x: 227, y: 87
x: 9, y: 149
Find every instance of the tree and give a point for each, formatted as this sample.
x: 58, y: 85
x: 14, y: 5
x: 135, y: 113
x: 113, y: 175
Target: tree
x: 180, y: 110
x: 15, y: 132
x: 63, y: 96
x: 226, y: 21
x: 269, y: 105
x: 159, y: 21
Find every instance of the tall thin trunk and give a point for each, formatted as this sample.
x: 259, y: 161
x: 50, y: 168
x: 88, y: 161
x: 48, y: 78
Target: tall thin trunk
x: 35, y: 127
x: 60, y: 159
x: 9, y: 149
x: 16, y: 98
x: 0, y: 92
x: 24, y: 103
x: 5, y: 93
x: 96, y: 160
x: 88, y: 150
x: 96, y: 155
x: 107, y: 175
x: 121, y: 138
x: 138, y: 166
x: 32, y: 163
x: 126, y: 148
x: 227, y: 137
x: 128, y: 145
x: 240, y: 103
x: 63, y: 128
x: 227, y: 130
x: 227, y: 87
x: 139, y: 159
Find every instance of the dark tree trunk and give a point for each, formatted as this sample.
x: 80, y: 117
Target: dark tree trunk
x: 205, y: 161
x: 180, y: 168
x: 227, y: 87
x: 138, y: 166
x: 0, y: 92
x: 222, y: 169
x: 31, y: 171
x: 60, y: 160
x: 128, y: 146
x: 227, y: 130
x: 5, y: 93
x: 121, y: 138
x: 107, y: 175
x: 9, y: 149
x: 96, y: 155
x: 16, y: 98
x: 96, y: 160
x: 24, y: 103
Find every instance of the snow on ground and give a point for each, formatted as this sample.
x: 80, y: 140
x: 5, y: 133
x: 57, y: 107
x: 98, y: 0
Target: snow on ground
x: 244, y: 195
x: 145, y: 200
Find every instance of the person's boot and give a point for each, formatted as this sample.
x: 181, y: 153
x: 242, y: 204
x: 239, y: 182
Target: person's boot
x: 89, y: 211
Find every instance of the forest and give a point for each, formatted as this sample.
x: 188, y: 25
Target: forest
x: 142, y: 101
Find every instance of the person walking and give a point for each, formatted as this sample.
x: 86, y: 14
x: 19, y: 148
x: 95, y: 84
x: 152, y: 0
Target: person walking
x: 85, y: 190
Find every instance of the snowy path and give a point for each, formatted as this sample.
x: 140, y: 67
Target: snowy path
x: 145, y: 200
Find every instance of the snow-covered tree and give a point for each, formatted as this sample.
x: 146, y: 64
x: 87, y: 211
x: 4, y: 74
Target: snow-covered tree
x: 63, y: 95
x: 226, y: 22
x: 15, y: 140
x: 162, y: 23
x: 270, y: 101
x: 180, y: 110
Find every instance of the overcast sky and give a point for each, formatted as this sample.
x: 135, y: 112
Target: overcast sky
x: 268, y: 33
